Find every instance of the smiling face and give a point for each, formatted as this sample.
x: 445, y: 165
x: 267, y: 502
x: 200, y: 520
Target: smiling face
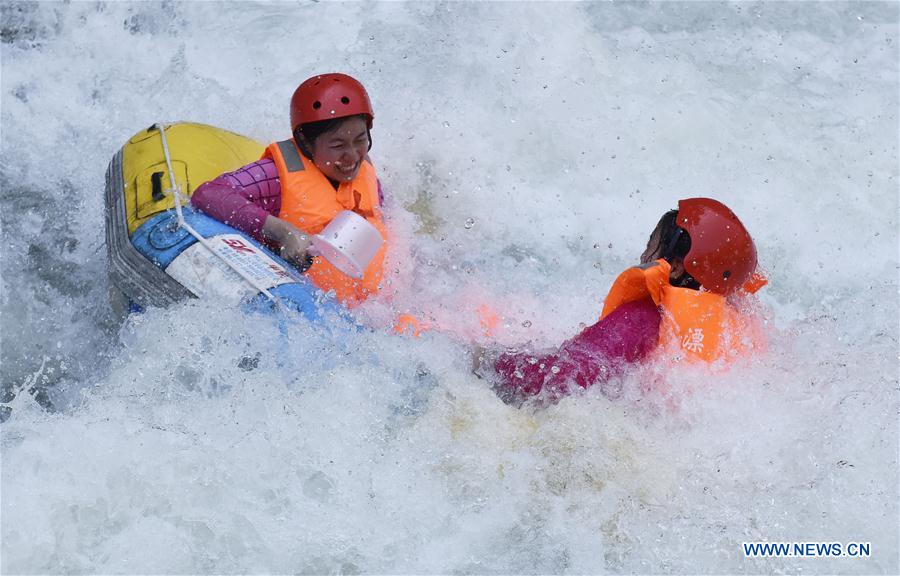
x: 339, y: 152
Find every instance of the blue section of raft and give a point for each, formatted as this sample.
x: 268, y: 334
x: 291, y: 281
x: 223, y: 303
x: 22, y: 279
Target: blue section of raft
x: 161, y: 241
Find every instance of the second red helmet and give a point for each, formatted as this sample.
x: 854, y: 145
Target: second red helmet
x: 722, y: 255
x: 329, y: 96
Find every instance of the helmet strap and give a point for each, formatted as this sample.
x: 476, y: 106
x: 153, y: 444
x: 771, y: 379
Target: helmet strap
x: 302, y: 143
x: 669, y: 250
x: 684, y: 280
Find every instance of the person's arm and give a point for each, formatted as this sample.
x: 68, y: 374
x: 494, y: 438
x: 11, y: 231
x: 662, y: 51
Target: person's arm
x: 598, y: 353
x: 249, y: 199
x: 243, y: 199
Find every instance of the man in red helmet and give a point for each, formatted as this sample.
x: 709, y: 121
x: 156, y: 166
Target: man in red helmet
x: 686, y: 299
x: 301, y: 184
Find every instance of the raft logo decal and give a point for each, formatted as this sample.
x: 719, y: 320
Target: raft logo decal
x: 206, y: 275
x: 238, y: 245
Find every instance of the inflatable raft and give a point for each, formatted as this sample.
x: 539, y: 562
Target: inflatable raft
x: 161, y: 251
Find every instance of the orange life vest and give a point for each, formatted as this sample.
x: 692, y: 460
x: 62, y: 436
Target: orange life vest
x: 310, y: 202
x: 695, y: 324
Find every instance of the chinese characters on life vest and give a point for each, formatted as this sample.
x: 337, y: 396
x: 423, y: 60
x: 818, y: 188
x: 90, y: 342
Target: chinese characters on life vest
x: 693, y: 340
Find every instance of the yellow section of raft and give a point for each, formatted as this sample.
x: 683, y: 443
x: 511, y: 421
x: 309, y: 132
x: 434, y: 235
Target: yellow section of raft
x: 199, y: 153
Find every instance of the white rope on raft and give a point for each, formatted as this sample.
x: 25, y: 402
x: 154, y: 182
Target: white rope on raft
x: 176, y: 191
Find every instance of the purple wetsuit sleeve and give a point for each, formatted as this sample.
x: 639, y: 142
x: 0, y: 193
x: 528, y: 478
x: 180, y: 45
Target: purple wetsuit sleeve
x: 243, y: 198
x: 599, y: 352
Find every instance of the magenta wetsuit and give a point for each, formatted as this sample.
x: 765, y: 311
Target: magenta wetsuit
x: 599, y: 352
x: 244, y: 198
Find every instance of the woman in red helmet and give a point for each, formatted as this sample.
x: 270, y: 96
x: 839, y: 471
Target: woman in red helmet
x: 301, y: 184
x: 686, y: 299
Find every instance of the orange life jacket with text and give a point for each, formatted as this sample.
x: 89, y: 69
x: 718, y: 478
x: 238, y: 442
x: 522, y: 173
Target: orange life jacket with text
x: 695, y: 324
x: 310, y: 202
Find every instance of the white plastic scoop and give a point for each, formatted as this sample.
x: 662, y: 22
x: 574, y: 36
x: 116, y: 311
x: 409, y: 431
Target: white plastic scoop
x: 349, y: 242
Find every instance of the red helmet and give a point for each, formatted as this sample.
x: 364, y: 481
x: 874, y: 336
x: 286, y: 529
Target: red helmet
x: 328, y: 96
x: 722, y: 255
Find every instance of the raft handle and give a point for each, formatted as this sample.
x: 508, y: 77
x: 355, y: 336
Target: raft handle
x: 156, y: 183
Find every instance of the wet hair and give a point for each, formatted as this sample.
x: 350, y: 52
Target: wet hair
x: 673, y: 239
x: 312, y: 130
x: 675, y: 243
